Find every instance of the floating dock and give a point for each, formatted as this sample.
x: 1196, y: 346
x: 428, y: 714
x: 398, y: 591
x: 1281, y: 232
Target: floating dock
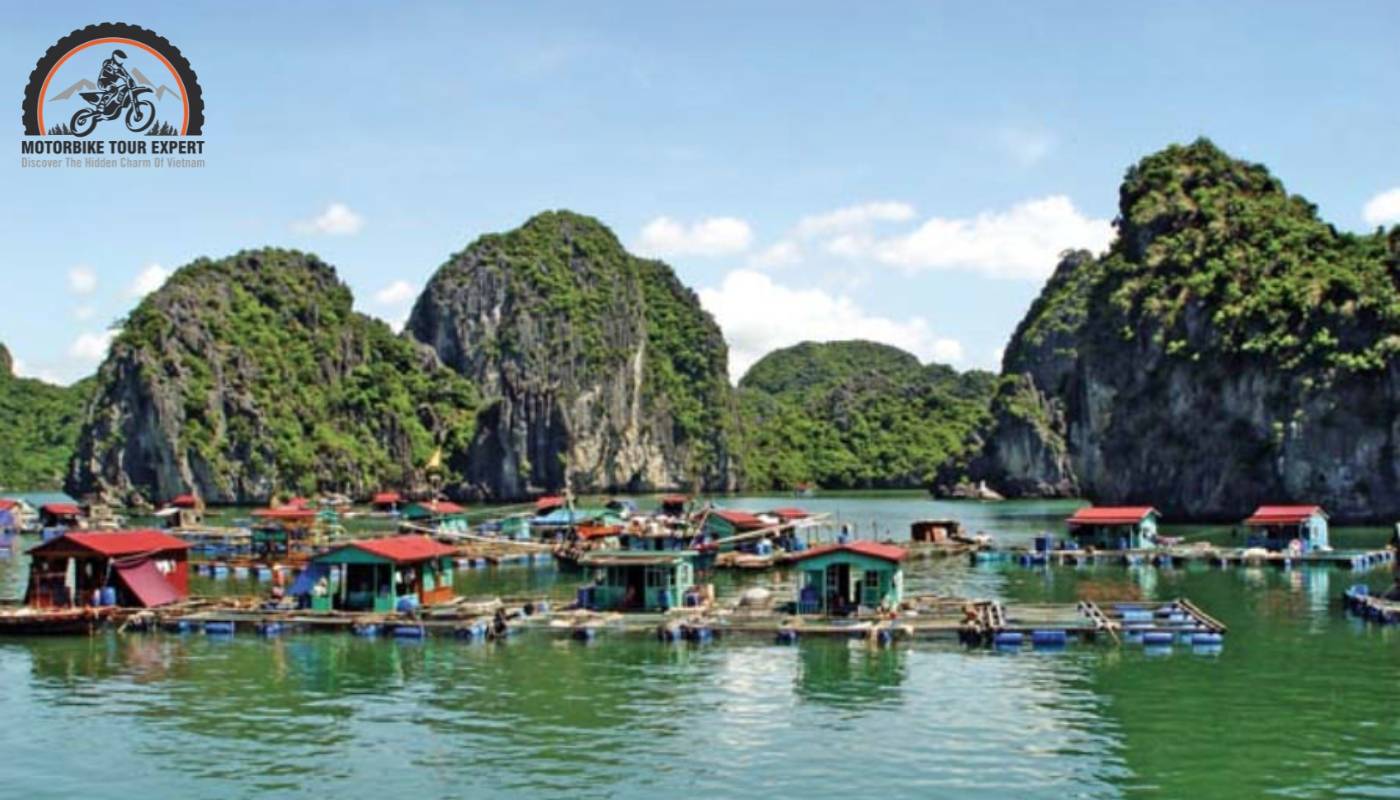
x: 976, y: 623
x: 1359, y: 601
x: 1355, y: 560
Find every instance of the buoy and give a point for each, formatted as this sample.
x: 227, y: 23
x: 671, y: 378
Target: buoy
x: 270, y: 629
x: 410, y: 631
x: 218, y: 628
x: 1049, y: 638
x: 1157, y: 638
x: 365, y: 630
x: 1207, y: 638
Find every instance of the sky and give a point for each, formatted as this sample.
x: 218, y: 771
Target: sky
x: 902, y: 172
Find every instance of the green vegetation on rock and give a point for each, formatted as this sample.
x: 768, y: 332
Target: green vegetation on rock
x: 39, y: 425
x: 252, y: 375
x: 855, y: 415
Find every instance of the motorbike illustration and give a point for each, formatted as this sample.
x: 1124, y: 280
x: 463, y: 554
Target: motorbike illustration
x: 140, y: 111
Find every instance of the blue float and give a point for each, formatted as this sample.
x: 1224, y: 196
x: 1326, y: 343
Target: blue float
x: 1049, y: 638
x: 218, y: 628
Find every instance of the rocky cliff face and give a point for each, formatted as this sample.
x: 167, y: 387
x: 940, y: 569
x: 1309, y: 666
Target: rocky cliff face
x: 1230, y: 349
x: 252, y: 375
x: 599, y: 371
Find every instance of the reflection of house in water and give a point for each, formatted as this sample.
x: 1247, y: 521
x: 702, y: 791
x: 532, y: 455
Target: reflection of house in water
x: 847, y: 675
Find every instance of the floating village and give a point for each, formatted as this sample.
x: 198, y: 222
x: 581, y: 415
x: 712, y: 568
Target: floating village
x: 644, y: 572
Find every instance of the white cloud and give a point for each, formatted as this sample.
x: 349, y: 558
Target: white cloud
x: 148, y: 280
x: 84, y: 312
x: 1383, y: 209
x: 82, y: 279
x: 780, y: 254
x: 91, y: 347
x: 716, y: 236
x: 854, y: 217
x: 336, y: 220
x: 1026, y: 147
x: 396, y: 293
x: 758, y: 316
x: 22, y: 369
x: 1024, y: 241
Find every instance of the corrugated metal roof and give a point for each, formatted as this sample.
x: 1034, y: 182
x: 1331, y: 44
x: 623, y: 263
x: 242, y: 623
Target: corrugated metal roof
x: 113, y: 543
x: 148, y: 585
x: 1283, y: 515
x: 1111, y: 515
x: 403, y: 549
x: 886, y: 552
x: 739, y: 519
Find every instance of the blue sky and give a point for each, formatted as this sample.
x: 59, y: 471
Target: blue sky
x: 903, y: 172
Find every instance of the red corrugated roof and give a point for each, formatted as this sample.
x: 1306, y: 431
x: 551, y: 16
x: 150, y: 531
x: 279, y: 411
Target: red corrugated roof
x: 114, y: 543
x: 403, y: 549
x: 61, y: 509
x: 886, y: 552
x: 297, y: 502
x: 185, y: 501
x: 1283, y: 515
x: 548, y: 502
x: 6, y: 503
x: 443, y: 507
x: 384, y: 498
x: 1110, y: 515
x: 674, y: 499
x: 739, y: 519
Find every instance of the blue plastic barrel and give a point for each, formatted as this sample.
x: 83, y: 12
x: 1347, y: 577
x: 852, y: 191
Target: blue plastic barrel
x: 1158, y: 638
x: 1008, y: 639
x: 270, y: 629
x: 1049, y: 638
x: 218, y: 628
x: 365, y: 630
x: 407, y: 605
x: 109, y: 595
x: 410, y: 631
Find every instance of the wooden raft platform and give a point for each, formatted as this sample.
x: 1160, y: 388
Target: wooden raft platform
x: 1359, y: 601
x: 1356, y: 560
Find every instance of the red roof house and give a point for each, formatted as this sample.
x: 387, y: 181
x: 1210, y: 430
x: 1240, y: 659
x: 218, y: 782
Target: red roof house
x: 1283, y: 524
x: 884, y: 552
x: 145, y: 568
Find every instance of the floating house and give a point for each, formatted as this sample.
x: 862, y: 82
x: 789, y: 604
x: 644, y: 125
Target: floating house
x: 840, y: 579
x: 1114, y: 527
x: 638, y: 580
x: 935, y: 531
x: 432, y: 509
x: 60, y: 515
x: 387, y: 502
x: 721, y: 523
x: 186, y: 501
x: 397, y: 573
x: 673, y: 505
x: 1278, y: 526
x: 131, y: 569
x: 9, y: 516
x: 548, y: 503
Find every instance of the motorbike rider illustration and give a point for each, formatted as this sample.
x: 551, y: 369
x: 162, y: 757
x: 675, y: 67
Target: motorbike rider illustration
x: 120, y: 92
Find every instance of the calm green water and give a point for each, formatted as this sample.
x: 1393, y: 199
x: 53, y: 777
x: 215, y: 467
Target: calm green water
x: 1300, y: 703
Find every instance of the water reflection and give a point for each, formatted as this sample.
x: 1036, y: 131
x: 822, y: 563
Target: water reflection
x: 849, y: 675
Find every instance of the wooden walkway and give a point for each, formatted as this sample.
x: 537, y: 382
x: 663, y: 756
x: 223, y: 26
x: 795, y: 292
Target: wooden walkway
x: 1356, y: 560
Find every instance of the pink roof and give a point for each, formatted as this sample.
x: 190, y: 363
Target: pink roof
x: 114, y: 543
x: 185, y: 501
x: 6, y: 503
x: 886, y: 552
x: 1111, y: 515
x: 61, y: 509
x: 403, y: 549
x: 1283, y: 515
x: 548, y: 502
x: 739, y: 519
x: 387, y: 497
